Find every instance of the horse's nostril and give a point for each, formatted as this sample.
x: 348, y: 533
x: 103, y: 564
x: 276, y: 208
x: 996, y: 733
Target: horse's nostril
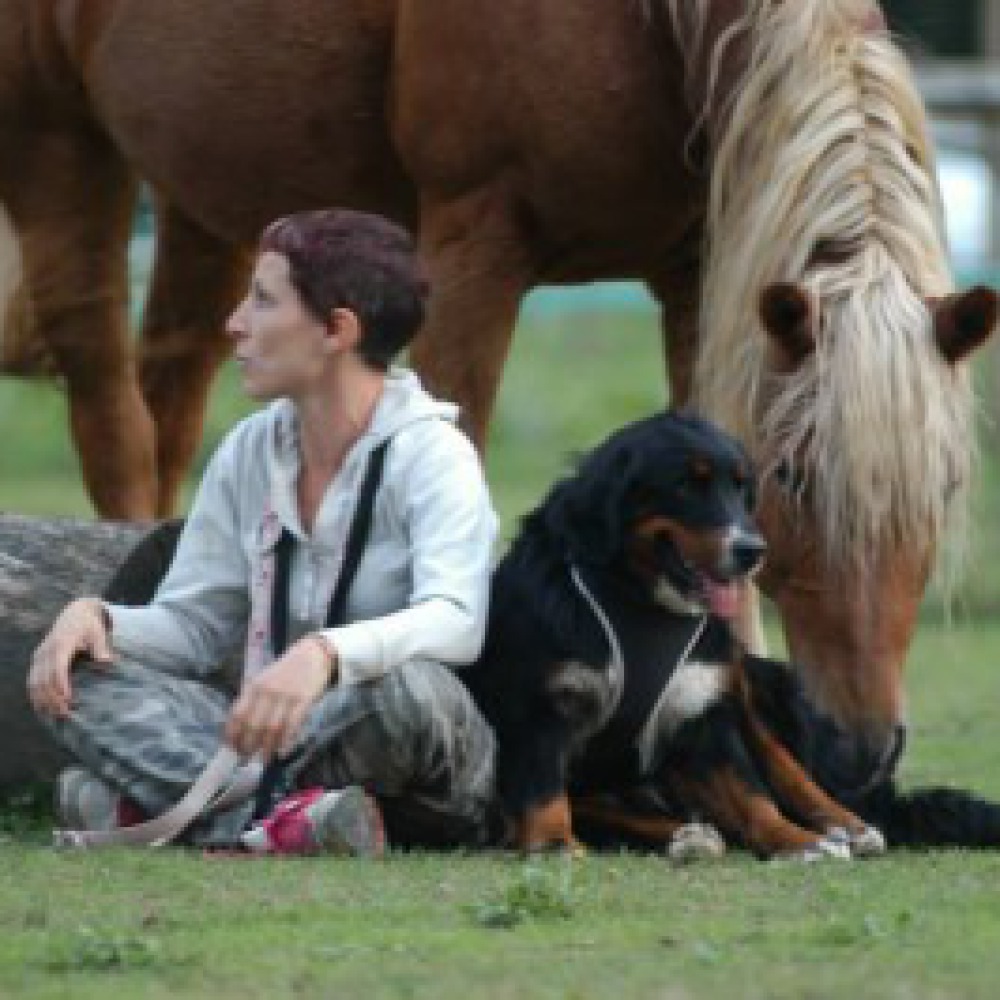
x: 747, y: 552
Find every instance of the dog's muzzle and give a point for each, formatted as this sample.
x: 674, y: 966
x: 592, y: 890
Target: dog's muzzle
x: 746, y: 552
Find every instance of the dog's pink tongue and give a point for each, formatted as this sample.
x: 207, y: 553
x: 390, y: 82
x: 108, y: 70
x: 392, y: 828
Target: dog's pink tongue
x: 723, y: 598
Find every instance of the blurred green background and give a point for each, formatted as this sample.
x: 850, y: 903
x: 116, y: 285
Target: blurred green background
x: 581, y: 365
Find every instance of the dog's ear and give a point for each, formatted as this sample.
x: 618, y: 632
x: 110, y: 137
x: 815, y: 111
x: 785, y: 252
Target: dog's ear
x: 596, y: 505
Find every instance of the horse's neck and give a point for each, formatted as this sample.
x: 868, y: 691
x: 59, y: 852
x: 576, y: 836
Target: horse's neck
x: 709, y: 80
x: 712, y: 72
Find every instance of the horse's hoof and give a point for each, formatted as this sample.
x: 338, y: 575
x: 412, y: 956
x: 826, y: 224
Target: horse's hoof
x: 695, y: 841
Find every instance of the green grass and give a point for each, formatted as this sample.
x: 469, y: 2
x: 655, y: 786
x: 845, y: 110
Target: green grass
x: 571, y: 378
x: 912, y: 925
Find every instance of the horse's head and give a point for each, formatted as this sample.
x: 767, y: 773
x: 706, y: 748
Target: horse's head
x: 857, y: 492
x: 848, y: 386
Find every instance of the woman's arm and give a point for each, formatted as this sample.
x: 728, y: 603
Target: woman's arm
x: 199, y: 612
x: 438, y: 485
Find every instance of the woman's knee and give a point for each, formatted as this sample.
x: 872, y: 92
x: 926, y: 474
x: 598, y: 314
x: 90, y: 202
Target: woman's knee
x: 420, y: 694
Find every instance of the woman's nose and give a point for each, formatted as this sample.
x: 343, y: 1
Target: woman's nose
x: 236, y: 324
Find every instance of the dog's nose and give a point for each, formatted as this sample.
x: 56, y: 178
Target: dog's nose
x: 748, y: 550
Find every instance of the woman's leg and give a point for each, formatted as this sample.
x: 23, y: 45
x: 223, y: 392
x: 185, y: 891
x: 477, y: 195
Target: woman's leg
x: 149, y: 734
x: 416, y: 740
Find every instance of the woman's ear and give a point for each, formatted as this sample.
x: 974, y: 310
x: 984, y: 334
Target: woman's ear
x: 343, y: 329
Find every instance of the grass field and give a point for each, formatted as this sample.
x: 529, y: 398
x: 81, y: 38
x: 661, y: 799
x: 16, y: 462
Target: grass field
x: 572, y: 377
x: 913, y: 926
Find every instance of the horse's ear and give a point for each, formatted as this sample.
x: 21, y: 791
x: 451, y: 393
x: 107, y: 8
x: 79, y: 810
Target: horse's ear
x: 963, y: 321
x: 787, y: 313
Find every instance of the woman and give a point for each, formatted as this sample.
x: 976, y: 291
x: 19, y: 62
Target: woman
x: 370, y: 702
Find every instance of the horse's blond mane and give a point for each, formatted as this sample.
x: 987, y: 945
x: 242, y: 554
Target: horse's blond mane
x: 824, y: 144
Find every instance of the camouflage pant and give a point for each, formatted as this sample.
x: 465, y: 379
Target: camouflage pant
x: 414, y: 738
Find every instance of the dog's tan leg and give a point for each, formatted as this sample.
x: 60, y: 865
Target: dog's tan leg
x: 683, y: 840
x: 616, y: 818
x: 796, y: 791
x: 751, y: 817
x: 546, y: 826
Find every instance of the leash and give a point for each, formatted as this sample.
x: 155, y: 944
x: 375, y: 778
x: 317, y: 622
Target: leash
x: 616, y: 666
x: 274, y: 783
x: 224, y: 782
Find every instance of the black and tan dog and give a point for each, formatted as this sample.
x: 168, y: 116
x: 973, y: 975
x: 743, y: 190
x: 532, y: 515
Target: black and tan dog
x: 610, y: 665
x: 614, y: 682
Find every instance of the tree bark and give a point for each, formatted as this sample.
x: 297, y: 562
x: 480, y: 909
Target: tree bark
x: 44, y: 564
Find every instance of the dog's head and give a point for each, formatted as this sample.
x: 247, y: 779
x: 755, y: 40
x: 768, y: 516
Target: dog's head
x: 668, y: 501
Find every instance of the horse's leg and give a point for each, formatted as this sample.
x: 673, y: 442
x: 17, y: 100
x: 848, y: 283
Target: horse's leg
x: 678, y: 292
x: 478, y: 271
x: 195, y: 283
x: 73, y: 216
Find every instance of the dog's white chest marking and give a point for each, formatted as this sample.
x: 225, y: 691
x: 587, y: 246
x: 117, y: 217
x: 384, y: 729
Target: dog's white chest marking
x: 584, y: 694
x: 692, y: 690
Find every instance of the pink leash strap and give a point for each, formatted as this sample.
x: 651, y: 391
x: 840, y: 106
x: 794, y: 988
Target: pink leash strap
x: 222, y: 783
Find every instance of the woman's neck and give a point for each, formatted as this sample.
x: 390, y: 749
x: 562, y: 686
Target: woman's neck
x: 330, y: 421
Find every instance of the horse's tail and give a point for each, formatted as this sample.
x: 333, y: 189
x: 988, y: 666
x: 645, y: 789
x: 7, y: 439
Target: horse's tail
x: 932, y: 817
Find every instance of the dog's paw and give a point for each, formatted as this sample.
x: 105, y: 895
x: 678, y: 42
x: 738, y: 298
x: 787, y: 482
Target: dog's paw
x: 833, y: 845
x: 695, y: 841
x: 867, y: 843
x: 863, y: 843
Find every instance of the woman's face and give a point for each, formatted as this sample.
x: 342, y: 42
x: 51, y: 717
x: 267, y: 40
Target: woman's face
x: 280, y: 346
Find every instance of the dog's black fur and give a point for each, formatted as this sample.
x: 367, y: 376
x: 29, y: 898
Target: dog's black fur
x: 659, y: 515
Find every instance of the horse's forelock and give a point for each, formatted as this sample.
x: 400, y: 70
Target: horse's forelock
x: 885, y: 446
x: 825, y: 143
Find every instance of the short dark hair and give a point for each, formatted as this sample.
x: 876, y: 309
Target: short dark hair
x: 341, y: 259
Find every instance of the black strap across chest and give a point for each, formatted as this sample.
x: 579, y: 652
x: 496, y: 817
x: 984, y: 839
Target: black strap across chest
x: 653, y: 641
x: 274, y: 781
x: 357, y: 536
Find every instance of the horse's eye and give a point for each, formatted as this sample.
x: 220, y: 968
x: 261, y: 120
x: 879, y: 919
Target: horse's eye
x: 789, y: 477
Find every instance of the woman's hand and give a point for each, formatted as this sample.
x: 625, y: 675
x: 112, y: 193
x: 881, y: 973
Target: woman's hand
x: 268, y: 714
x: 82, y: 627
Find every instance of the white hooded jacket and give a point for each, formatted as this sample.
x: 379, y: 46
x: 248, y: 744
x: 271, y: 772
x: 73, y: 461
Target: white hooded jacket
x: 421, y: 588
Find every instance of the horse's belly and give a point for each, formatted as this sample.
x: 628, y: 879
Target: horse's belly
x: 572, y: 119
x: 238, y: 113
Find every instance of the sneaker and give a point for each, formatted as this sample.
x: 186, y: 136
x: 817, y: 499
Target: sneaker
x: 85, y: 802
x: 316, y: 821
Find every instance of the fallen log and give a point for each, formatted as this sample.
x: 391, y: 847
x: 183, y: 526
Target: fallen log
x: 44, y: 564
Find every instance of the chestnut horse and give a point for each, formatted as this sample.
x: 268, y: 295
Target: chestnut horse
x: 763, y: 166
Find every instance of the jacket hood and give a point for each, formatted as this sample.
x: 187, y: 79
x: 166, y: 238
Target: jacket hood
x: 403, y: 403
